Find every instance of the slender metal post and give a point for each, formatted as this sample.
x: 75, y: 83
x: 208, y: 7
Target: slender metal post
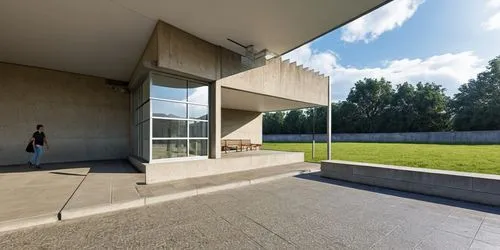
x: 329, y: 122
x: 314, y: 132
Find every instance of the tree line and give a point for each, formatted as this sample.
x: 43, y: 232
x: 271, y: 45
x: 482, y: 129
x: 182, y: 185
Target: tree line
x: 374, y: 105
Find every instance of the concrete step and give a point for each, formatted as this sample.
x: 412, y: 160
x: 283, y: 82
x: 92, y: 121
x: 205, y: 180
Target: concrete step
x: 168, y: 191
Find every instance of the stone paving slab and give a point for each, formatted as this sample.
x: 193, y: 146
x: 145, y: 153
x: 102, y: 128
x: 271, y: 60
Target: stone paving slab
x: 72, y: 190
x: 302, y: 212
x: 102, y: 193
x: 108, y: 187
x: 30, y: 197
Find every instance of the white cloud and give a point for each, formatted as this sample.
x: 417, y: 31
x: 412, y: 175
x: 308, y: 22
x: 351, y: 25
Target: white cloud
x: 448, y: 70
x: 386, y: 18
x: 493, y: 3
x: 493, y: 23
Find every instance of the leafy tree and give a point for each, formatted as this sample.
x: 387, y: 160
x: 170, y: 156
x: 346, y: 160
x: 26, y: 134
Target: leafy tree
x: 402, y: 113
x: 348, y: 118
x: 294, y: 122
x: 430, y: 109
x: 273, y: 123
x: 477, y: 105
x: 372, y: 98
x: 315, y: 117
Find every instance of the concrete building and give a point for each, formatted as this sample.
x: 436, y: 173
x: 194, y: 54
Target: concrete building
x: 161, y: 83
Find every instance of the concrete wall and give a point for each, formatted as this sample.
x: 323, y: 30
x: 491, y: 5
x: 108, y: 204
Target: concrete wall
x: 282, y: 79
x: 180, y: 52
x: 239, y: 124
x: 480, y: 188
x: 183, y: 52
x: 84, y: 118
x: 469, y: 137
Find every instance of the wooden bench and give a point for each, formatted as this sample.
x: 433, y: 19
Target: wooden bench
x: 239, y: 145
x: 231, y: 145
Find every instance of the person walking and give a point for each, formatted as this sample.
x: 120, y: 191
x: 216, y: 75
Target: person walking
x: 39, y: 140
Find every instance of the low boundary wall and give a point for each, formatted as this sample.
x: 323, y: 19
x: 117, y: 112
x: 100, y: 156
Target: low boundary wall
x: 466, y: 137
x: 236, y: 162
x: 471, y: 187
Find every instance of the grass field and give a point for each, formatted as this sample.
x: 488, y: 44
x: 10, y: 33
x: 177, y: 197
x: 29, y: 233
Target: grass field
x: 467, y: 158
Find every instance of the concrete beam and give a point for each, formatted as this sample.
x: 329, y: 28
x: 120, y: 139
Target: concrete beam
x: 281, y: 79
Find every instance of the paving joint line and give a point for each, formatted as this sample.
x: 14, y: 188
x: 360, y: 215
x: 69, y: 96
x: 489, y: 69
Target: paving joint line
x: 475, y: 235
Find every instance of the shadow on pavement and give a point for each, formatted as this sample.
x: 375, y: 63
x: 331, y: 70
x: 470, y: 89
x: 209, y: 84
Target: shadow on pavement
x: 402, y: 194
x: 109, y: 166
x: 72, y: 174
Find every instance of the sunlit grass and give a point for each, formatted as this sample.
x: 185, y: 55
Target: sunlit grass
x: 467, y: 158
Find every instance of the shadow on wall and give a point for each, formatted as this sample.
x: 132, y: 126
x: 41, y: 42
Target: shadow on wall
x: 239, y: 124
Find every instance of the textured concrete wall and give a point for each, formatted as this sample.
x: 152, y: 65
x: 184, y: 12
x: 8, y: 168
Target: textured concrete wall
x: 84, y: 118
x: 238, y: 124
x: 230, y: 63
x: 182, y: 52
x: 480, y: 188
x: 469, y: 137
x: 282, y: 79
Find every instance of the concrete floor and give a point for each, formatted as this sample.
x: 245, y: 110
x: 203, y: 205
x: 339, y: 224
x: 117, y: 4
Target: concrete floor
x: 29, y: 196
x: 72, y: 190
x: 306, y: 212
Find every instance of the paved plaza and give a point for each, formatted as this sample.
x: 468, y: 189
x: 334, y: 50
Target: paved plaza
x: 304, y: 212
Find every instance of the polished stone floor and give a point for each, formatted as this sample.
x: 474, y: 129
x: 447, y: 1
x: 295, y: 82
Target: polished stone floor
x: 304, y: 212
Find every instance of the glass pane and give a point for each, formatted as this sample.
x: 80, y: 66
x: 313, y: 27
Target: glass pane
x: 198, y: 129
x: 198, y: 93
x: 169, y: 128
x: 169, y: 109
x: 198, y: 112
x: 163, y: 149
x: 169, y: 88
x: 198, y: 147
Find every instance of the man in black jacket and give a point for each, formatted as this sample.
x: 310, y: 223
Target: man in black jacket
x: 39, y: 140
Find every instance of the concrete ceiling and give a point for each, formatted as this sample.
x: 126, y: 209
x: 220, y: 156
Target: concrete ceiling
x: 106, y: 37
x: 242, y: 100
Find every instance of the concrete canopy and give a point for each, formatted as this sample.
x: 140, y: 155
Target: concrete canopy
x: 107, y: 38
x: 248, y: 101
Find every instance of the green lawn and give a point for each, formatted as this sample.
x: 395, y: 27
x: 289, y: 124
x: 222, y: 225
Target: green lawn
x: 467, y: 158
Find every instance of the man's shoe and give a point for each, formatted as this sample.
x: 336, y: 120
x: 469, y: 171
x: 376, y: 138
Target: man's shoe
x: 37, y: 167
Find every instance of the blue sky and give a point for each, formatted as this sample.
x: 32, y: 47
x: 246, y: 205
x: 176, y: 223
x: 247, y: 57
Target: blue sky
x: 442, y: 41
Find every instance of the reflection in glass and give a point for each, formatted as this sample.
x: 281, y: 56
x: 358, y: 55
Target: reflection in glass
x: 169, y: 128
x: 168, y: 88
x: 198, y: 93
x: 163, y: 149
x: 198, y: 147
x: 168, y: 109
x: 198, y: 129
x: 198, y: 112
